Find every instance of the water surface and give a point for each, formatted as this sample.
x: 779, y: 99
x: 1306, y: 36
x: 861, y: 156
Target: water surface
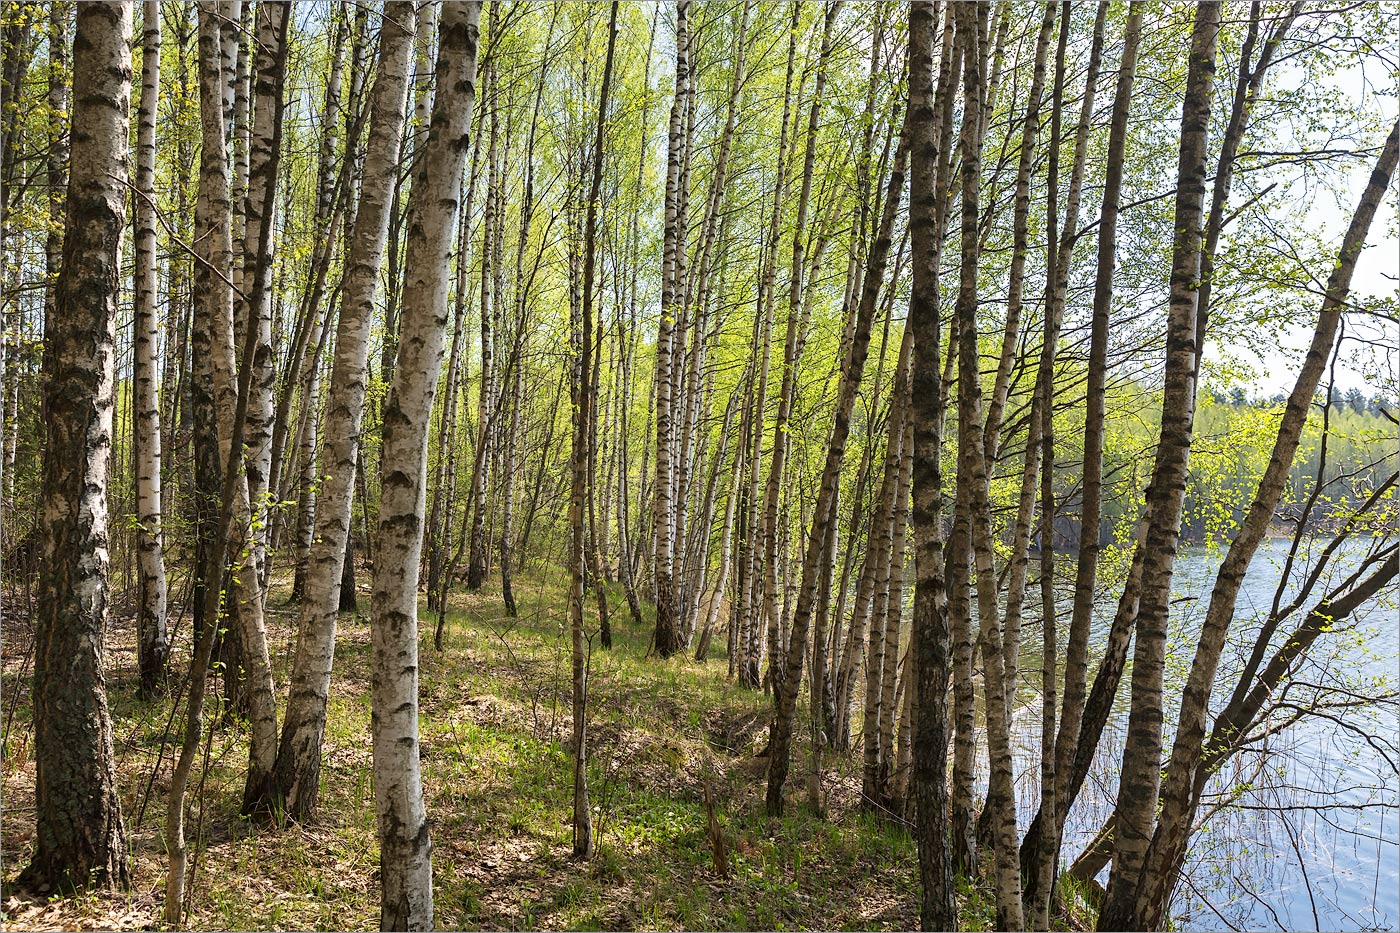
x: 1310, y: 838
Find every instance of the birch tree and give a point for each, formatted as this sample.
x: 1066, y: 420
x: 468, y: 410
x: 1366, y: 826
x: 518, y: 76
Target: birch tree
x: 664, y: 508
x: 1141, y: 773
x: 972, y: 475
x: 405, y: 852
x: 928, y: 155
x: 1180, y: 795
x: 154, y: 641
x: 299, y: 753
x: 80, y: 838
x: 264, y: 159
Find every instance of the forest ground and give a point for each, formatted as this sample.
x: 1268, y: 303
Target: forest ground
x: 495, y: 745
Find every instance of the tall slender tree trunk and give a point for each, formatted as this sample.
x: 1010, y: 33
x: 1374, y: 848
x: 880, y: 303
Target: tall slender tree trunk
x: 56, y: 157
x: 18, y: 43
x: 153, y: 641
x: 873, y: 588
x: 238, y: 38
x: 663, y: 506
x: 584, y: 843
x: 594, y: 556
x: 490, y: 302
x: 900, y: 698
x: 726, y: 551
x: 510, y: 462
x: 879, y: 545
x: 301, y: 366
x: 79, y: 835
x: 299, y: 754
x: 264, y: 156
x: 308, y: 472
x: 445, y: 475
x: 405, y: 852
x: 928, y: 145
x: 511, y: 447
x: 682, y: 386
x: 697, y: 291
x: 416, y: 127
x: 972, y: 474
x: 1142, y: 755
x: 274, y: 22
x: 893, y: 612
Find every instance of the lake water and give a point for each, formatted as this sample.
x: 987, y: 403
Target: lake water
x: 1314, y: 842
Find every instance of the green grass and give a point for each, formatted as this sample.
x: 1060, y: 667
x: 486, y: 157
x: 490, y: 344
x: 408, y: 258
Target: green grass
x: 497, y: 761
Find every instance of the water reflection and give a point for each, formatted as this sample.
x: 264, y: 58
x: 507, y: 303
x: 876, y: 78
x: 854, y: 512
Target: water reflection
x: 1303, y: 830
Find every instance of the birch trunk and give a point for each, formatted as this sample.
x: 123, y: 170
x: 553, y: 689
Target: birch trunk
x: 928, y: 154
x: 663, y: 508
x: 58, y: 154
x: 80, y: 839
x: 894, y: 616
x: 405, y: 852
x: 302, y: 371
x: 299, y: 755
x: 307, y: 475
x: 1168, y: 846
x: 972, y: 474
x: 490, y: 300
x: 1142, y: 756
x: 274, y: 21
x: 878, y: 551
x: 584, y: 843
x: 726, y: 539
x: 153, y: 640
x: 445, y: 479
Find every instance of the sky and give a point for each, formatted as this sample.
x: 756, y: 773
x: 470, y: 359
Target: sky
x: 1377, y: 271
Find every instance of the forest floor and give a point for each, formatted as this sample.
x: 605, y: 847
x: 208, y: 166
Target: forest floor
x: 495, y: 745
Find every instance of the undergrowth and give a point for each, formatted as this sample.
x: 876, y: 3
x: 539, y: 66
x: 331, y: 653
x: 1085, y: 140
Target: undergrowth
x: 496, y: 761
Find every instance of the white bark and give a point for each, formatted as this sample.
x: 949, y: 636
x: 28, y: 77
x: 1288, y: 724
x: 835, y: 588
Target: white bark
x: 261, y: 184
x: 663, y: 509
x: 215, y: 300
x: 299, y: 757
x: 154, y: 642
x: 405, y: 853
